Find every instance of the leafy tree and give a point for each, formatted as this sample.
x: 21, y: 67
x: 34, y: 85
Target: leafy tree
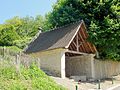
x: 19, y: 31
x: 102, y: 18
x: 28, y: 29
x: 8, y: 35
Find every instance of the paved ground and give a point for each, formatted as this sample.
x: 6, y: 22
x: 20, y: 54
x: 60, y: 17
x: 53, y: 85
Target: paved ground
x: 118, y: 88
x: 65, y: 82
x: 71, y: 84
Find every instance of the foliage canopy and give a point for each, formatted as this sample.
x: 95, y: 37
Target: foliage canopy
x: 102, y: 18
x: 19, y: 31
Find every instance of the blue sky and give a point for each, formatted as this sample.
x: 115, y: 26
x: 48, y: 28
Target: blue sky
x: 11, y: 8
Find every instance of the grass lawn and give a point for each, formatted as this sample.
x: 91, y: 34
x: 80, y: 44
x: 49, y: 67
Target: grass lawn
x: 27, y: 79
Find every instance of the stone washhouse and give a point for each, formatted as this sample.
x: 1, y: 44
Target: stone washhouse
x: 65, y: 51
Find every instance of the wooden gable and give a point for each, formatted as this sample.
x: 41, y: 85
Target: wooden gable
x: 80, y: 44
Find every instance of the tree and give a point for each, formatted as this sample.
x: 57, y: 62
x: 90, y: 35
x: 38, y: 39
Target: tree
x: 8, y: 35
x: 19, y: 31
x: 102, y: 18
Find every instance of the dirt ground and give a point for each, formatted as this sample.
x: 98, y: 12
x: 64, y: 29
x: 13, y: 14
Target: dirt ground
x: 71, y: 84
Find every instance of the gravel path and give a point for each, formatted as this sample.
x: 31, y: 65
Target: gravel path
x: 71, y: 84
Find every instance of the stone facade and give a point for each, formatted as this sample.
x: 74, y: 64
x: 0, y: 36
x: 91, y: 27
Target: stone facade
x: 80, y: 66
x: 106, y: 68
x: 53, y: 61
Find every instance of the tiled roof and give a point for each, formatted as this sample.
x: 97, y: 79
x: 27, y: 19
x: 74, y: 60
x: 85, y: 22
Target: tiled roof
x: 57, y: 38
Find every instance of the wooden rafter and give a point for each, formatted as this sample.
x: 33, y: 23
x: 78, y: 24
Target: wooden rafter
x: 81, y: 49
x: 77, y: 46
x: 82, y: 42
x: 70, y: 47
x: 87, y: 47
x: 90, y: 46
x: 75, y: 52
x: 84, y: 34
x: 74, y: 43
x: 73, y: 47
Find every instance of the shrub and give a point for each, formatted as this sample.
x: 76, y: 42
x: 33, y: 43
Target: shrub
x: 28, y: 79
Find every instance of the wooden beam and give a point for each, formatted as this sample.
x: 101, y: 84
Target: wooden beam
x: 90, y: 47
x: 74, y: 35
x: 75, y: 52
x: 95, y: 50
x: 67, y: 54
x: 70, y: 54
x: 77, y: 43
x: 81, y: 50
x: 85, y: 47
x: 87, y: 44
x: 70, y: 47
x: 74, y: 43
x: 73, y: 46
x: 83, y: 33
x: 82, y: 40
x: 82, y: 43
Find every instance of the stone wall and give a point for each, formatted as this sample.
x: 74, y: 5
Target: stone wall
x: 79, y: 66
x: 84, y: 65
x: 52, y: 61
x: 106, y: 69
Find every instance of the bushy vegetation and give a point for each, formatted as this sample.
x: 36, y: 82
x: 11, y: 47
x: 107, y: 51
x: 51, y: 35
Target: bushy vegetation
x: 19, y: 31
x: 9, y: 50
x: 102, y: 18
x: 27, y: 79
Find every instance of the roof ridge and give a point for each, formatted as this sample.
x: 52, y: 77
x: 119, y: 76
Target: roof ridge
x: 52, y: 29
x: 74, y: 22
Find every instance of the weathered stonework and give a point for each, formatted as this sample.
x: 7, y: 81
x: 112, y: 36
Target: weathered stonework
x: 80, y: 66
x: 53, y: 61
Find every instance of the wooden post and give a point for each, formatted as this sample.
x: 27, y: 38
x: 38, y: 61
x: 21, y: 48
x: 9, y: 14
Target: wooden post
x: 17, y: 64
x: 77, y: 43
x: 4, y: 51
x: 38, y: 62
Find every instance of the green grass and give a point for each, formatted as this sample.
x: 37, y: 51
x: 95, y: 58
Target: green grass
x: 9, y: 50
x: 14, y: 48
x: 27, y: 79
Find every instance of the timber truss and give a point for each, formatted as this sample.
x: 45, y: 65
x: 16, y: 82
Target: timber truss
x: 79, y: 45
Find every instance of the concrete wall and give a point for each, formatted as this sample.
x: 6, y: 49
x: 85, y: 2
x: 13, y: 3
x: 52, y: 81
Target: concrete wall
x: 53, y: 61
x: 106, y: 69
x: 80, y: 66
